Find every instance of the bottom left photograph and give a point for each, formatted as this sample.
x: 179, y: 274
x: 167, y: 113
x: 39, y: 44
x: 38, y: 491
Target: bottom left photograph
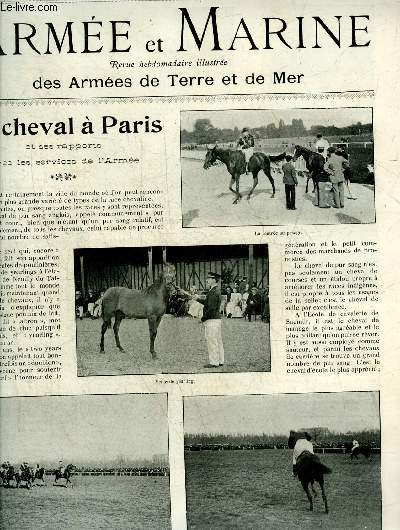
x: 87, y: 461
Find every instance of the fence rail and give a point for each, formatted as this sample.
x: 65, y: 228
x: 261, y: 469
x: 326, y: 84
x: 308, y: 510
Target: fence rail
x: 220, y: 447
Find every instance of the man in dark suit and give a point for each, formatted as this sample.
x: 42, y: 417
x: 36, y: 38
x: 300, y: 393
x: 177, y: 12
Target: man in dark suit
x: 212, y: 322
x: 290, y: 181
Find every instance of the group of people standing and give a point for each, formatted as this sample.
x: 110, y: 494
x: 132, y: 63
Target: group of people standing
x: 89, y: 305
x: 336, y: 171
x: 334, y: 175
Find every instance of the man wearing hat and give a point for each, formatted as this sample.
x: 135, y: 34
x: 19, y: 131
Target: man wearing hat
x: 246, y: 144
x: 335, y: 166
x: 212, y: 322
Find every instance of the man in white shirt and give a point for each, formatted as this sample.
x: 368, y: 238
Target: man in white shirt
x: 302, y: 444
x: 321, y: 145
x: 355, y: 445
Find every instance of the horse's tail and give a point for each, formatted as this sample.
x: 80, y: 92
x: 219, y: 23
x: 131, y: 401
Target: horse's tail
x: 277, y: 158
x: 322, y: 468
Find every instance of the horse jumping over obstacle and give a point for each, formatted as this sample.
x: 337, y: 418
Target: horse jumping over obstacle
x: 235, y: 162
x: 151, y: 303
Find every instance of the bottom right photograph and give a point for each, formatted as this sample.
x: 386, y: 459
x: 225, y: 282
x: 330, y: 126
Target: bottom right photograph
x: 283, y: 461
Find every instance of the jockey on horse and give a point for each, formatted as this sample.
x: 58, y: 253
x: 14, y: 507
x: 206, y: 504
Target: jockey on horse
x: 299, y: 446
x: 246, y: 144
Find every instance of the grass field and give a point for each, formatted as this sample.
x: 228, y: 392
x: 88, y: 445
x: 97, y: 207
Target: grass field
x: 93, y: 503
x: 180, y: 345
x: 255, y: 490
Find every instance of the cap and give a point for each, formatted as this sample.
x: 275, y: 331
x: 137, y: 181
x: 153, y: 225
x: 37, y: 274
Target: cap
x: 245, y: 129
x: 308, y: 436
x: 319, y: 135
x: 331, y: 149
x: 214, y: 275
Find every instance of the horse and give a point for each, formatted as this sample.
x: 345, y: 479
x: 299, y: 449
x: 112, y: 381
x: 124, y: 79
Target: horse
x: 9, y: 475
x: 151, y: 303
x: 235, y: 162
x: 364, y: 450
x: 24, y: 475
x: 39, y: 474
x: 67, y: 474
x: 310, y: 469
x: 315, y: 165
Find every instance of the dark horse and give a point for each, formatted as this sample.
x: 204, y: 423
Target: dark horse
x: 39, y: 475
x: 364, y: 450
x: 235, y: 162
x: 310, y: 469
x: 67, y: 474
x: 8, y: 474
x: 24, y: 475
x: 315, y: 164
x: 151, y: 303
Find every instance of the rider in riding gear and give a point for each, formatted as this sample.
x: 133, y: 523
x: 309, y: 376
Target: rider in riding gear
x: 246, y: 144
x: 355, y: 445
x: 303, y: 444
x: 321, y: 145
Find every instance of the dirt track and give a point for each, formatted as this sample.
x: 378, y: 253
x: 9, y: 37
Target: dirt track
x: 206, y: 201
x: 180, y: 345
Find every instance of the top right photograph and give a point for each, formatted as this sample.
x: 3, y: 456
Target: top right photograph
x: 247, y: 167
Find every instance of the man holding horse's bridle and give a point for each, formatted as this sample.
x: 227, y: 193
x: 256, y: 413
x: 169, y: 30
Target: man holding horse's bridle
x: 212, y: 322
x: 246, y: 144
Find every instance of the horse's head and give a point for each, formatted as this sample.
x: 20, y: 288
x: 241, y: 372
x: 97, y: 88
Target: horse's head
x: 211, y: 157
x: 298, y: 152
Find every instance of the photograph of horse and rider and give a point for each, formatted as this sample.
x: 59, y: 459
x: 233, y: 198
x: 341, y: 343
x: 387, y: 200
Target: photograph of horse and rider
x: 283, y: 461
x: 172, y: 309
x: 277, y: 167
x: 84, y: 461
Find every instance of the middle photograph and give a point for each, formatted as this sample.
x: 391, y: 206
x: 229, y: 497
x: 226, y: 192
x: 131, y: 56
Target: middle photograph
x: 192, y: 309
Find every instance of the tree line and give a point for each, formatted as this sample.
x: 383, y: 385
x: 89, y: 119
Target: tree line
x: 204, y: 132
x: 325, y: 439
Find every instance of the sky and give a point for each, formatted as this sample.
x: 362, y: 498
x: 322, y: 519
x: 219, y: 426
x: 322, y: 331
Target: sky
x: 228, y: 119
x: 83, y: 428
x: 278, y: 414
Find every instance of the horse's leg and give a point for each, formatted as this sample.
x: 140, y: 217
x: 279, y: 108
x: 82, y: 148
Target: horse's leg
x: 238, y: 196
x: 270, y: 178
x: 255, y: 182
x: 304, y: 483
x: 231, y: 184
x: 313, y: 489
x: 104, y: 327
x: 154, y: 322
x: 118, y: 318
x: 321, y: 483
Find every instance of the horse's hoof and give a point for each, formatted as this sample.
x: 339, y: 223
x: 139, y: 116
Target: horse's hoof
x: 153, y: 354
x: 121, y: 350
x: 273, y: 196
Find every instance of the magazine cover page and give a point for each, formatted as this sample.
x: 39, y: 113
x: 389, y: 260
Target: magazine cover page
x: 198, y: 273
